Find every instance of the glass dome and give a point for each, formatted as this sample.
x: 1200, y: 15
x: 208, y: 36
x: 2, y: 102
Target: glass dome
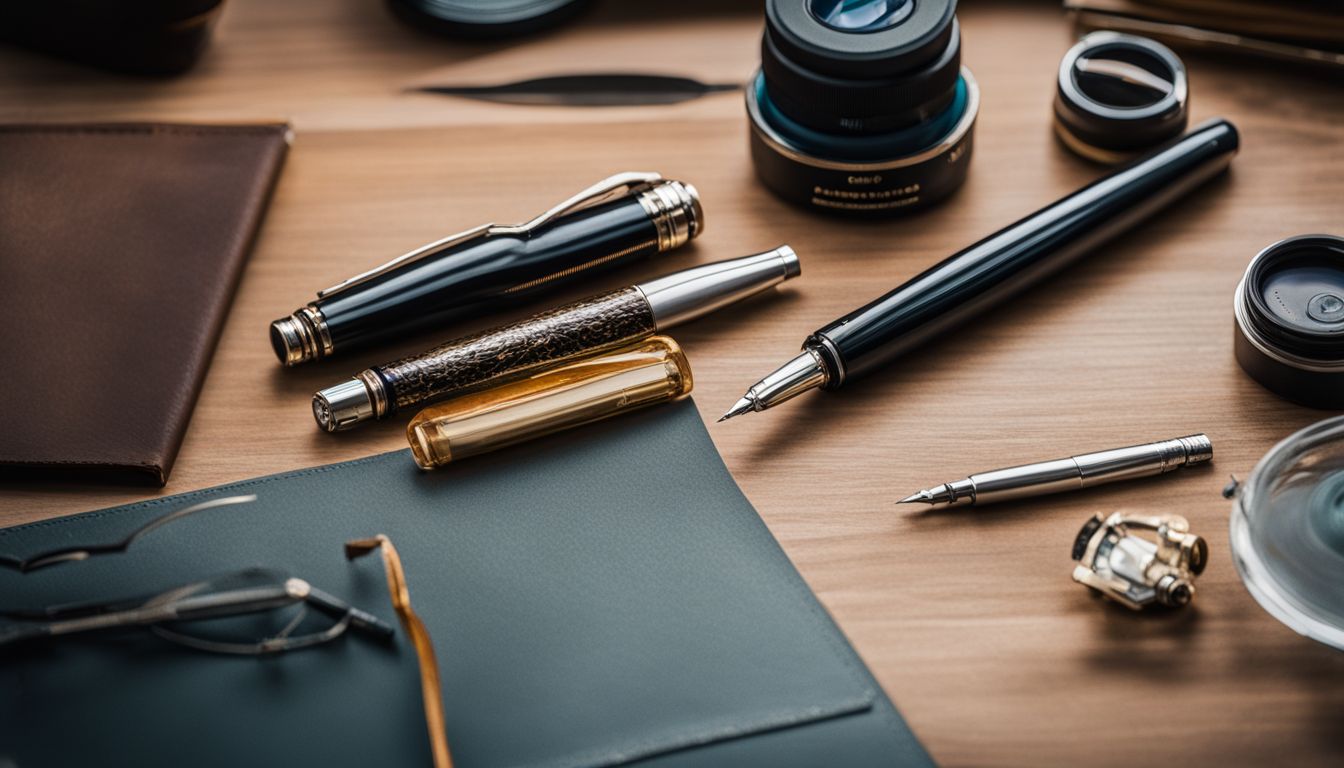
x: 1287, y: 532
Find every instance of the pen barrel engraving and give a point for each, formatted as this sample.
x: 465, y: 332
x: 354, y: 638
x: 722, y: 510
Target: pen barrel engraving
x: 499, y: 354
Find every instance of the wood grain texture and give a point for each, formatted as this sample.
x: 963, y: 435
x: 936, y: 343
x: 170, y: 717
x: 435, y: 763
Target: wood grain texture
x: 969, y: 620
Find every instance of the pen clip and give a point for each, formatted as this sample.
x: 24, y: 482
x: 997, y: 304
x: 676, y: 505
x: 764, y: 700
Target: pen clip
x: 610, y: 188
x: 603, y: 191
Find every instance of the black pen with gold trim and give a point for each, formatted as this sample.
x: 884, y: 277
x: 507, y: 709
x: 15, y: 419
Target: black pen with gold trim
x: 622, y: 218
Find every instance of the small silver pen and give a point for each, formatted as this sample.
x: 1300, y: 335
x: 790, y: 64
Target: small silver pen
x: 1071, y: 474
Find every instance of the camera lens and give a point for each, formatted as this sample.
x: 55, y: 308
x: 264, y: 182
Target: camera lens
x: 861, y: 15
x: 862, y: 106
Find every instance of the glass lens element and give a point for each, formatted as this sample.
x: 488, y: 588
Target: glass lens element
x: 861, y: 15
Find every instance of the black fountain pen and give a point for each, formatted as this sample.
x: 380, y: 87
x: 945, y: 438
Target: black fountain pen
x: 970, y: 282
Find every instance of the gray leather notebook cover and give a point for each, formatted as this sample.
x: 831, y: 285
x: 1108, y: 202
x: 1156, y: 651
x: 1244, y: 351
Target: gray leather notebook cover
x: 604, y: 597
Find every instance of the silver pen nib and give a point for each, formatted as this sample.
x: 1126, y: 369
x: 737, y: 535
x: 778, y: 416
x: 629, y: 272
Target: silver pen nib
x: 942, y: 497
x: 790, y: 380
x: 743, y: 405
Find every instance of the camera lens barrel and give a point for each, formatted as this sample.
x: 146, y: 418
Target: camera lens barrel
x: 861, y: 106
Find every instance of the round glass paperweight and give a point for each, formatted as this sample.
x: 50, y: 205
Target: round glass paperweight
x: 1287, y: 532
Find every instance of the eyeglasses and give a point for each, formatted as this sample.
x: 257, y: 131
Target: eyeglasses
x: 84, y: 552
x: 251, y: 612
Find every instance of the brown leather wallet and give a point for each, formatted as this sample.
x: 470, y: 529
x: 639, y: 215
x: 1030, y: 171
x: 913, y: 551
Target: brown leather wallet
x: 120, y: 249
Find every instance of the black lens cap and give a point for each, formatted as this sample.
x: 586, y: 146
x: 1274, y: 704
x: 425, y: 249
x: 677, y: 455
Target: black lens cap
x: 1290, y: 320
x: 1118, y: 95
x: 1296, y: 288
x: 485, y: 18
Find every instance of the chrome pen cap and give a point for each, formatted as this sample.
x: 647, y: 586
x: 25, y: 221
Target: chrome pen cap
x: 691, y: 293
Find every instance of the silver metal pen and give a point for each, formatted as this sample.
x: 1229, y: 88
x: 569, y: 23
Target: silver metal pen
x: 1071, y: 474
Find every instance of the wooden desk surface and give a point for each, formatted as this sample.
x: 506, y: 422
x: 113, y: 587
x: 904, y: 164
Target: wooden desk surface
x: 970, y: 621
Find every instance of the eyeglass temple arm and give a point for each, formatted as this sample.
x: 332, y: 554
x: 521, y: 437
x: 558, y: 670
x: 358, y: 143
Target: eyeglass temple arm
x: 193, y: 607
x: 68, y: 554
x: 334, y: 606
x: 430, y: 688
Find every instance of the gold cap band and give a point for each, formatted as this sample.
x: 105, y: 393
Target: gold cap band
x: 674, y: 207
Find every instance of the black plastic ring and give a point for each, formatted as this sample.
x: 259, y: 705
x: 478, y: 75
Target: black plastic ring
x: 1119, y: 94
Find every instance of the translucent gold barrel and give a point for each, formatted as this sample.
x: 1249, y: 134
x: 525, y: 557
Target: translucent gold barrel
x: 652, y: 371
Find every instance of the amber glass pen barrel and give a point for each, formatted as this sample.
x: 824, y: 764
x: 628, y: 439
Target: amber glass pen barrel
x: 580, y: 392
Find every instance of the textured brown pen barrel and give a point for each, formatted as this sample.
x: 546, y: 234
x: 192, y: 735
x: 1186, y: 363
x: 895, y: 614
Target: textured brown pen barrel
x: 583, y: 328
x: 591, y: 326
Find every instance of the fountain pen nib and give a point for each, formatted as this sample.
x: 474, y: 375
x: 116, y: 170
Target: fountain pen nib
x: 742, y: 406
x: 940, y: 497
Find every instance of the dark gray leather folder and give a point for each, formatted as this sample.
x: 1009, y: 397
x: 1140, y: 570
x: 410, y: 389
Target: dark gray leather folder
x: 604, y: 597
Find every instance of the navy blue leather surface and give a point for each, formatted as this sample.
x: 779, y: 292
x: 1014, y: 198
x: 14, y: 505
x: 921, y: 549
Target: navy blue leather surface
x: 603, y: 597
